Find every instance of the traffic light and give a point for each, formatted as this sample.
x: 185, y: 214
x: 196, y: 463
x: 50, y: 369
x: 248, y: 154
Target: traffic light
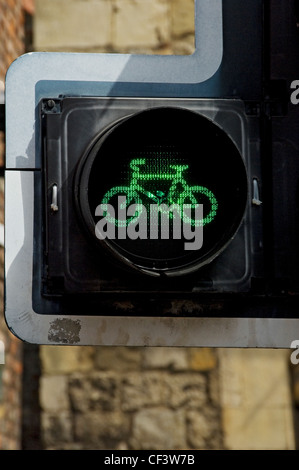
x: 117, y: 199
x: 145, y: 195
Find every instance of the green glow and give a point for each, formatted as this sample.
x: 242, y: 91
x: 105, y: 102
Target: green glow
x: 178, y: 192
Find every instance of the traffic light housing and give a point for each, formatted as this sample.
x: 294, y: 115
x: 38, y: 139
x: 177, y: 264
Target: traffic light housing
x: 138, y: 149
x: 152, y: 215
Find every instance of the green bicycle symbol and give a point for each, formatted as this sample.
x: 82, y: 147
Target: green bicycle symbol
x: 179, y: 194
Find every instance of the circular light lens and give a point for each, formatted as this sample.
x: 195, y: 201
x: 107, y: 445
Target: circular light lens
x: 164, y: 190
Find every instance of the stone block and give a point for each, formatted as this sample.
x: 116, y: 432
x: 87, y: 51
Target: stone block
x: 65, y: 360
x: 187, y: 390
x: 202, y: 359
x: 158, y: 429
x: 142, y: 390
x: 54, y: 393
x: 56, y: 429
x: 72, y: 25
x: 140, y: 23
x: 253, y: 376
x: 107, y: 430
x: 203, y: 431
x: 267, y: 378
x: 182, y: 16
x: 231, y: 377
x: 183, y: 46
x: 255, y: 428
x: 165, y: 358
x: 98, y: 391
x: 256, y: 401
x: 118, y: 358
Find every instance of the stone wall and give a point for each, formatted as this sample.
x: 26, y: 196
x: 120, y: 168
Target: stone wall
x: 165, y: 398
x: 140, y: 26
x: 130, y: 398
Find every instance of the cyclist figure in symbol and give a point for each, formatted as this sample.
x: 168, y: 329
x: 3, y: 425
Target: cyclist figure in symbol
x: 179, y: 193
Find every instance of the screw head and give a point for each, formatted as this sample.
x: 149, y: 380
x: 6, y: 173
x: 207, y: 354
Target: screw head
x: 51, y: 104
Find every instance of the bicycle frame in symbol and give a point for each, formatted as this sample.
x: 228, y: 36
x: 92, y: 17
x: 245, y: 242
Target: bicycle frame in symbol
x: 180, y: 194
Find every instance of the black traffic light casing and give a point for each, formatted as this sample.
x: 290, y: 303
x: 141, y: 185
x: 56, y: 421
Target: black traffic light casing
x: 75, y: 262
